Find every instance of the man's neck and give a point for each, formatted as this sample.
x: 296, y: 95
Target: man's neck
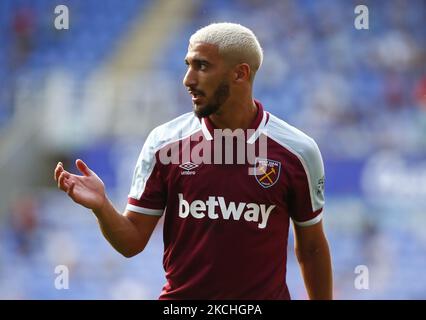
x: 235, y: 115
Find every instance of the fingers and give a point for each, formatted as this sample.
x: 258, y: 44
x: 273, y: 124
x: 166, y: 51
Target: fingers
x: 58, y: 170
x: 61, y: 176
x: 83, y: 168
x: 63, y: 182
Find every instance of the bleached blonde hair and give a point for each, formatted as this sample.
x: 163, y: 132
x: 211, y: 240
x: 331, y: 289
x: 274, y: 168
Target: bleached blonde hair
x: 234, y: 42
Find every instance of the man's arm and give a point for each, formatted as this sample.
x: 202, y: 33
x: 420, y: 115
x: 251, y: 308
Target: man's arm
x: 314, y: 258
x: 128, y: 233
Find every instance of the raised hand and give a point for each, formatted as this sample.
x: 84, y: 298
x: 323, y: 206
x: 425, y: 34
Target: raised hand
x: 87, y: 190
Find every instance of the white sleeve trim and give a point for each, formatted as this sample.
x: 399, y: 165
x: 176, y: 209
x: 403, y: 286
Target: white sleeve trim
x: 151, y: 212
x: 309, y: 222
x: 306, y: 150
x: 168, y: 133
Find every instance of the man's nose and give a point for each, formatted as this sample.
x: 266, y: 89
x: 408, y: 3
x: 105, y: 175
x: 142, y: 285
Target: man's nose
x: 190, y: 79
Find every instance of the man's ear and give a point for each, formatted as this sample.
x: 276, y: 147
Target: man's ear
x: 242, y: 72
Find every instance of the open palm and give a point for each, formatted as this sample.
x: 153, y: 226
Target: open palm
x: 87, y: 190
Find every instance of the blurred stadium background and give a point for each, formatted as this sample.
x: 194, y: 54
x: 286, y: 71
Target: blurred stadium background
x: 95, y: 91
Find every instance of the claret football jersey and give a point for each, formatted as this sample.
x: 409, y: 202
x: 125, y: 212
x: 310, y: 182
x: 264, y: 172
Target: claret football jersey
x: 226, y: 217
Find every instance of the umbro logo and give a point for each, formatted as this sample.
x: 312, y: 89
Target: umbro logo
x: 188, y: 168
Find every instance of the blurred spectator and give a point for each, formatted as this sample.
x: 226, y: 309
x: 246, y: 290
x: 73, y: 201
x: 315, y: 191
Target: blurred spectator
x: 24, y: 223
x: 394, y: 92
x: 23, y: 25
x: 420, y: 93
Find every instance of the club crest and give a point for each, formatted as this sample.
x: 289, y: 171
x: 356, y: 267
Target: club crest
x: 267, y: 172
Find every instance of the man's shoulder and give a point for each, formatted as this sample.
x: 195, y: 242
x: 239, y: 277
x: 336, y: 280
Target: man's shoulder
x: 291, y: 138
x: 174, y: 130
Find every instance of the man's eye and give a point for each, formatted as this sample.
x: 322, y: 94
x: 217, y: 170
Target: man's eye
x: 203, y: 66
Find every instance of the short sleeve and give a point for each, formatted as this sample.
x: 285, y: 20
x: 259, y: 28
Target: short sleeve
x: 148, y: 193
x: 306, y: 199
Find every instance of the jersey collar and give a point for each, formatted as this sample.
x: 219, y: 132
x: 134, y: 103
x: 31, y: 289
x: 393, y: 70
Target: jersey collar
x: 258, y: 124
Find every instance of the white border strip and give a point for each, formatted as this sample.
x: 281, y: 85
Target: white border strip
x: 205, y: 130
x: 305, y: 167
x: 259, y: 129
x: 309, y: 222
x: 154, y: 161
x: 150, y: 212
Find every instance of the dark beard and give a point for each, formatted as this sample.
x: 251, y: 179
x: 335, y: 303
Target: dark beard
x: 220, y: 95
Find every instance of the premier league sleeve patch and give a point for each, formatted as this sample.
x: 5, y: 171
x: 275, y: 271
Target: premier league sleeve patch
x: 267, y: 172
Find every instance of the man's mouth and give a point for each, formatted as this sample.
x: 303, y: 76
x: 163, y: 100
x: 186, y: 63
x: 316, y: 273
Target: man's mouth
x: 196, y: 95
x: 196, y: 99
